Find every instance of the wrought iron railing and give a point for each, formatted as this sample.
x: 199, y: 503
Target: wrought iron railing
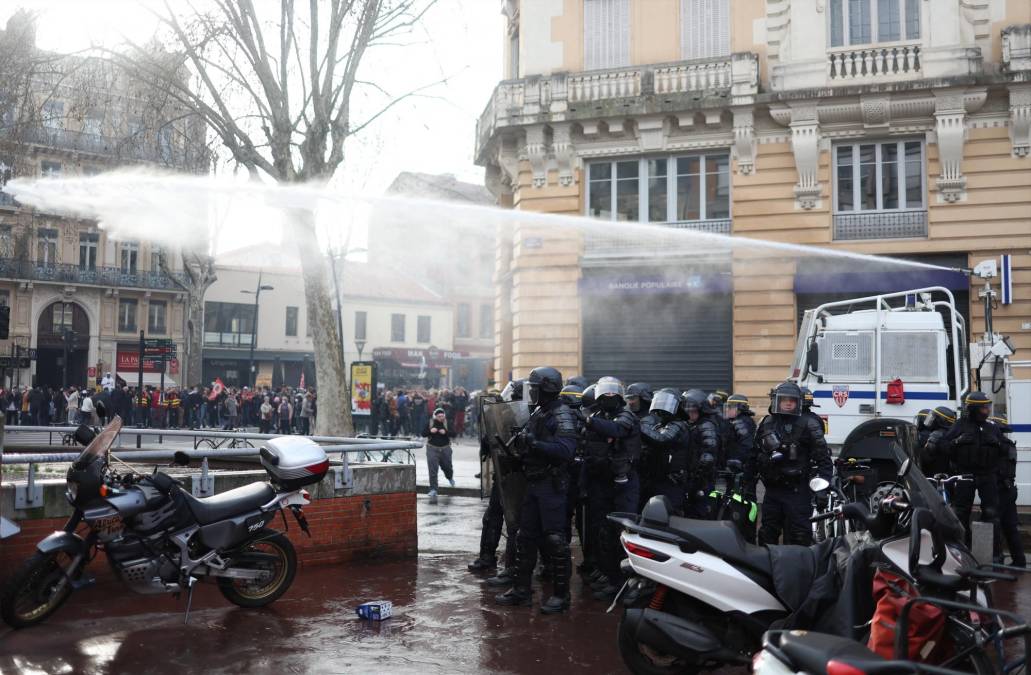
x: 882, y: 225
x: 602, y: 242
x: 142, y: 147
x: 217, y: 339
x: 109, y: 277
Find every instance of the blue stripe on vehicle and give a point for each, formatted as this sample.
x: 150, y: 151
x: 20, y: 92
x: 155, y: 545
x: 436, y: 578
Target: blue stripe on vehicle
x: 1021, y: 428
x: 915, y: 395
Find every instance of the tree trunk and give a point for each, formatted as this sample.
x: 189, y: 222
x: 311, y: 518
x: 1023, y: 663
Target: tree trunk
x: 334, y: 397
x: 194, y: 371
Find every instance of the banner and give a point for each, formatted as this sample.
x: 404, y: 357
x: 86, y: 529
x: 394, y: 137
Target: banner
x: 363, y: 387
x: 129, y: 362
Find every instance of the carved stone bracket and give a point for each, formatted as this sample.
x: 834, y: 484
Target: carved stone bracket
x: 1020, y: 119
x: 536, y: 152
x: 744, y: 140
x: 805, y: 143
x: 950, y: 110
x: 565, y: 153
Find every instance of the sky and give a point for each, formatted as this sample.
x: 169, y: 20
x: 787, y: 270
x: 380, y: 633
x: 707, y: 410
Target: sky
x: 459, y: 40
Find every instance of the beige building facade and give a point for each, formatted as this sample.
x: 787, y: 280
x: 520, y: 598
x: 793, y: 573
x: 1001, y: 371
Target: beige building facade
x: 890, y: 127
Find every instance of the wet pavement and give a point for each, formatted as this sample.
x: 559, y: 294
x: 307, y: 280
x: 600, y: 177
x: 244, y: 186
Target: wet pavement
x: 444, y: 621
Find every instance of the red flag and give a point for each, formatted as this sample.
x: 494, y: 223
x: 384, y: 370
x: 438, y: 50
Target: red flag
x: 301, y: 385
x: 216, y: 389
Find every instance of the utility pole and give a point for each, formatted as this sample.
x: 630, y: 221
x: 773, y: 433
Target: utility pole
x: 252, y: 377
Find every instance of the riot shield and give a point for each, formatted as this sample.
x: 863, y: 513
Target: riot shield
x: 499, y: 422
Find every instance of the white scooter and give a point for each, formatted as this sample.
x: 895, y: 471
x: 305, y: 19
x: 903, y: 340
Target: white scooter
x: 698, y: 596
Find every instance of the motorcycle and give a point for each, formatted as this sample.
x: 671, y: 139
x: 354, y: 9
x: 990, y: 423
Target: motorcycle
x: 158, y: 538
x: 699, y: 596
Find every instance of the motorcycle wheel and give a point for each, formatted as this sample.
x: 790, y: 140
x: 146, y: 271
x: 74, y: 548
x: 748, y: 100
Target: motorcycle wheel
x: 643, y: 660
x: 282, y: 566
x: 31, y: 594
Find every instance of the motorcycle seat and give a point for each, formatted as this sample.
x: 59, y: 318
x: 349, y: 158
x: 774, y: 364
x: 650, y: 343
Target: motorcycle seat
x: 810, y: 652
x: 723, y: 539
x: 228, y: 504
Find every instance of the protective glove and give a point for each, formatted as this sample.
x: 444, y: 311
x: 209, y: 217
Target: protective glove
x: 823, y: 500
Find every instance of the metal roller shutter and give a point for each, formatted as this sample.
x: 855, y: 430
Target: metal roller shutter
x: 679, y: 340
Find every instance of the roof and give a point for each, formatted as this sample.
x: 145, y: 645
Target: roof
x: 438, y: 186
x: 357, y: 279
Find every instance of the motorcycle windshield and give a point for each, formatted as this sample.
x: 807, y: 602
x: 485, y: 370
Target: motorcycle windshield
x: 102, y: 442
x: 922, y: 494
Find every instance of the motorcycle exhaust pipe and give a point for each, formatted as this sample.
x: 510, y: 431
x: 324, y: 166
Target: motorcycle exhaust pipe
x: 679, y: 637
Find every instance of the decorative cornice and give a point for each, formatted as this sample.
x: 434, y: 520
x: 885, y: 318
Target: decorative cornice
x: 1020, y: 119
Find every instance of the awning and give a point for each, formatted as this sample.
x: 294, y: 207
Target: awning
x: 152, y: 379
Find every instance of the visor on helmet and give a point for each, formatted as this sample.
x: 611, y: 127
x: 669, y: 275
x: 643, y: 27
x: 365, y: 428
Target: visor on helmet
x: 666, y: 402
x: 608, y: 386
x: 787, y: 404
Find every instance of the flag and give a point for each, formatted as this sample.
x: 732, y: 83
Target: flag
x: 216, y: 389
x: 1007, y: 279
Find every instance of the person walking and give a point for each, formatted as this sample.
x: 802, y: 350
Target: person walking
x: 232, y: 411
x: 305, y: 414
x: 286, y: 413
x: 438, y: 451
x: 71, y: 397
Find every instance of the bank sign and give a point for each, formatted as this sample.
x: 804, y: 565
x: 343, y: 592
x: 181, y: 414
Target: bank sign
x: 649, y: 283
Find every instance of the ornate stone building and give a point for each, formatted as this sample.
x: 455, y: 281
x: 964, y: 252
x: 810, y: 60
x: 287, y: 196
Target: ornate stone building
x: 889, y: 127
x: 67, y: 282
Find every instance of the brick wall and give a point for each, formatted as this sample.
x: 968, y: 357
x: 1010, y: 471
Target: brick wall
x: 342, y: 528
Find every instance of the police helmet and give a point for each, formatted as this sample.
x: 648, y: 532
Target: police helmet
x: 737, y: 402
x: 786, y: 399
x: 544, y: 384
x: 639, y: 396
x: 718, y: 398
x: 665, y: 401
x: 578, y: 381
x: 808, y: 400
x: 571, y: 395
x: 1001, y: 422
x: 978, y: 405
x: 941, y: 417
x: 694, y: 399
x: 922, y: 418
x: 513, y: 391
x: 588, y: 400
x: 609, y: 387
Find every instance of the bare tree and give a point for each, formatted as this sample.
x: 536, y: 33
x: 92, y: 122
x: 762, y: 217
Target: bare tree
x: 278, y: 89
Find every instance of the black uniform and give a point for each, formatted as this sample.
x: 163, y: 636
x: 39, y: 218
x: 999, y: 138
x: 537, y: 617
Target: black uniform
x: 494, y: 516
x: 933, y: 458
x: 1007, y: 477
x: 705, y: 453
x: 974, y: 445
x: 789, y: 450
x: 548, y: 443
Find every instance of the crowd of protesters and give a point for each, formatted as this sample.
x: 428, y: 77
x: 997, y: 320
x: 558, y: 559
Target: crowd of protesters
x: 408, y: 412
x: 283, y: 410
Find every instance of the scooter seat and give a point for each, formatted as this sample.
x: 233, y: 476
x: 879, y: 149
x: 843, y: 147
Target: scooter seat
x: 810, y: 652
x: 209, y: 510
x: 723, y: 539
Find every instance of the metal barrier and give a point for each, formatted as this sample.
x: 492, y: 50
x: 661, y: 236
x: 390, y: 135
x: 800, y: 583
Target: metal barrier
x: 30, y: 494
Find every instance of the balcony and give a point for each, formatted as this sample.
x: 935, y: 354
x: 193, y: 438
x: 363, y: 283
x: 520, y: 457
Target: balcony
x: 620, y: 92
x: 873, y: 64
x: 882, y: 225
x: 107, y: 277
x: 7, y: 201
x: 143, y: 148
x: 608, y: 244
x: 217, y: 339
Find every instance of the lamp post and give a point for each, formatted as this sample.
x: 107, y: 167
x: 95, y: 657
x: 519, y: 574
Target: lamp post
x: 254, y: 325
x: 336, y: 287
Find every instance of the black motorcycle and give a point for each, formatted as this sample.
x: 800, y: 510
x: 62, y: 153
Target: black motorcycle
x: 158, y: 538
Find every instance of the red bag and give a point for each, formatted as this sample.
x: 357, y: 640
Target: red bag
x: 896, y: 392
x: 926, y: 622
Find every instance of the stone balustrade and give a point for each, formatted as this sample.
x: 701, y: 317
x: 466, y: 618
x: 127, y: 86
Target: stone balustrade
x: 877, y: 63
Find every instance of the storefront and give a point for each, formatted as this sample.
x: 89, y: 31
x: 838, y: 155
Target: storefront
x: 423, y: 368
x: 127, y: 364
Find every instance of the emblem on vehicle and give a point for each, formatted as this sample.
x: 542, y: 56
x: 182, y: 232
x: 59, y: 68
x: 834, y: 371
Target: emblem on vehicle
x: 840, y: 394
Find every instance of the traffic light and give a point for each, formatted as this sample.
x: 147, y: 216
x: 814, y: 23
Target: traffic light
x: 5, y: 321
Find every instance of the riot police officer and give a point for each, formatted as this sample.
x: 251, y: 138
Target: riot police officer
x: 1008, y: 524
x: 932, y: 457
x: 547, y: 445
x: 494, y: 516
x: 666, y: 452
x: 789, y: 450
x: 920, y: 422
x: 808, y: 403
x: 612, y: 448
x: 572, y: 396
x: 974, y: 445
x: 650, y: 469
x: 741, y: 418
x: 578, y: 381
x: 717, y: 401
x: 706, y: 450
x: 639, y: 398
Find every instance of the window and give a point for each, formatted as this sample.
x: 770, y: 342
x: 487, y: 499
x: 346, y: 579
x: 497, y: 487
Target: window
x: 5, y: 298
x: 464, y: 320
x: 486, y: 321
x: 674, y: 189
x: 879, y: 176
x: 156, y: 312
x: 129, y: 254
x: 88, y: 250
x: 155, y: 258
x: 397, y: 327
x: 46, y: 246
x: 291, y: 321
x: 126, y: 315
x: 53, y: 114
x: 93, y: 124
x: 50, y: 169
x: 704, y: 28
x: 228, y: 323
x: 513, y: 54
x: 863, y: 22
x: 423, y: 329
x: 360, y: 319
x: 606, y: 34
x: 165, y: 145
x: 62, y: 317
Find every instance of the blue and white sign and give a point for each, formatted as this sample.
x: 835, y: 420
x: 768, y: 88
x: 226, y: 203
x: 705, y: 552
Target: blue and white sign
x: 1006, y: 277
